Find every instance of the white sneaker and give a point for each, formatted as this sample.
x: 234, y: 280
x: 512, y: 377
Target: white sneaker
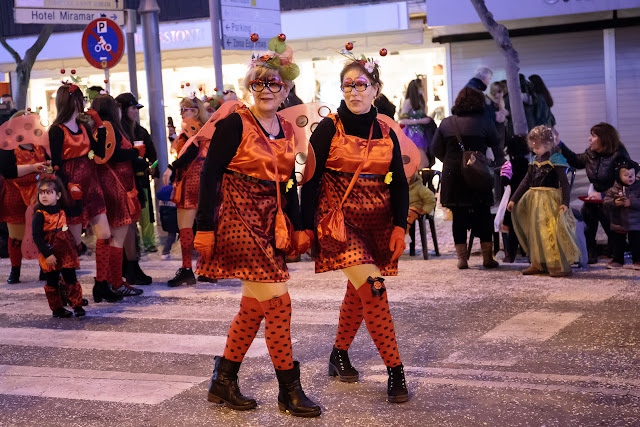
x: 166, y: 257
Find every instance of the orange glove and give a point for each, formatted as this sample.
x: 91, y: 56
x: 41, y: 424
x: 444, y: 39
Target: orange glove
x: 203, y: 243
x: 141, y: 150
x: 95, y: 116
x: 396, y: 243
x: 75, y: 190
x: 302, y: 241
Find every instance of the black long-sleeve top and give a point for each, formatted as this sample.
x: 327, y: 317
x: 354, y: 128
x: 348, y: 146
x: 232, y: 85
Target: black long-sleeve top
x: 546, y: 175
x: 37, y: 228
x: 356, y: 125
x: 223, y: 147
x: 9, y: 165
x: 56, y: 142
x: 600, y: 167
x: 123, y: 154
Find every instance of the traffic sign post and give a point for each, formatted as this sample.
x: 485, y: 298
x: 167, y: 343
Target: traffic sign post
x: 241, y: 18
x: 103, y: 45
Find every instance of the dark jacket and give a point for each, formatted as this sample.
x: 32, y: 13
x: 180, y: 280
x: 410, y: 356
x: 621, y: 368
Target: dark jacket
x: 476, y: 83
x: 600, y: 168
x: 477, y: 134
x: 624, y: 219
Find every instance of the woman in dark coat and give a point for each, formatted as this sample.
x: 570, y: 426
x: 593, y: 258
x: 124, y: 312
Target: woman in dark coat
x: 470, y: 208
x: 599, y: 160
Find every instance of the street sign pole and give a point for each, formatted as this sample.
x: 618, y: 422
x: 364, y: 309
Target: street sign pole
x: 107, y: 81
x: 131, y: 51
x: 149, y: 12
x: 216, y: 41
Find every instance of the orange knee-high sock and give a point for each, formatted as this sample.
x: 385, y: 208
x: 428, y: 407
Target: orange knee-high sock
x: 277, y: 321
x: 115, y: 266
x: 378, y: 319
x: 15, y: 252
x: 350, y: 318
x: 102, y: 260
x: 186, y: 244
x: 243, y: 329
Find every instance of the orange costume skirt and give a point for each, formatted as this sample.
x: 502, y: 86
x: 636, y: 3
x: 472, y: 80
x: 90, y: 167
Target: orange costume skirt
x: 368, y: 221
x: 245, y: 233
x: 18, y: 193
x: 64, y: 248
x: 187, y: 187
x: 82, y: 171
x: 120, y: 195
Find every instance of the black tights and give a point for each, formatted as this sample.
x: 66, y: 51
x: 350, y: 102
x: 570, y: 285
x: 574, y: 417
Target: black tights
x: 68, y: 274
x: 619, y: 243
x: 477, y: 219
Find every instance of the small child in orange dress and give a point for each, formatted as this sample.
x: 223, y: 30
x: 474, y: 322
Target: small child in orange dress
x: 57, y: 247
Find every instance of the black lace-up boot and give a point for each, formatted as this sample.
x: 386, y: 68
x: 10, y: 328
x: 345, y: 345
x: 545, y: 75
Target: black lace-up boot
x: 396, y: 385
x: 340, y: 366
x: 184, y: 276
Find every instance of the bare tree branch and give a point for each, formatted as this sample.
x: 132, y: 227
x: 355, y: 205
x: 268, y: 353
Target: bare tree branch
x: 500, y: 35
x: 32, y: 53
x: 16, y: 56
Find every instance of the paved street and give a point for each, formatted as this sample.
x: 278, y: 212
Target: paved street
x: 480, y: 348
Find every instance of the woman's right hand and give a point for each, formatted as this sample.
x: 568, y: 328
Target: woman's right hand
x: 510, y: 206
x: 166, y: 177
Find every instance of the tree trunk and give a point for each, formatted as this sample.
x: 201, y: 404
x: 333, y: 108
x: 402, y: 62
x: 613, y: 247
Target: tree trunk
x: 500, y: 35
x: 24, y: 65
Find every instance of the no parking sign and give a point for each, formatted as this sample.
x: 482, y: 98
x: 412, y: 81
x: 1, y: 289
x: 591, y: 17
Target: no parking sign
x: 103, y: 43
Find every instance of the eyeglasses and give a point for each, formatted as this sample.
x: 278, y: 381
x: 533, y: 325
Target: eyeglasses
x: 227, y: 92
x: 183, y: 109
x: 259, y: 85
x: 358, y: 86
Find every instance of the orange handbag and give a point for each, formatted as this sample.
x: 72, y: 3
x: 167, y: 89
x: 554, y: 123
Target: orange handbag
x: 332, y: 232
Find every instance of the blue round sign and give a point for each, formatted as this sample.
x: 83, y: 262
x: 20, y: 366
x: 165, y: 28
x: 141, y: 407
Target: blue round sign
x: 103, y: 43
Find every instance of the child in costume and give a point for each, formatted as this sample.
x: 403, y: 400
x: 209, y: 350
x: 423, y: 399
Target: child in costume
x: 56, y: 246
x: 623, y: 202
x: 542, y: 219
x: 421, y: 199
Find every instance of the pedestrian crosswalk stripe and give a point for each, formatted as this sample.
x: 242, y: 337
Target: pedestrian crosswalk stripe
x: 84, y: 384
x: 205, y: 313
x: 531, y: 326
x: 123, y: 341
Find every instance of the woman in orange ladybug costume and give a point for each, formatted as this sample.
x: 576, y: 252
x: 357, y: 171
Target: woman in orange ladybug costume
x: 247, y: 179
x: 72, y: 150
x: 185, y: 174
x: 358, y: 162
x: 20, y: 168
x: 119, y: 190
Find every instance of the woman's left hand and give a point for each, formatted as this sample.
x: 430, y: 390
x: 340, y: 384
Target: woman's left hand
x: 166, y: 177
x: 563, y: 208
x: 396, y: 243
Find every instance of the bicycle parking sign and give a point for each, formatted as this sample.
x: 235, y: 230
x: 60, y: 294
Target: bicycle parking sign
x: 103, y: 43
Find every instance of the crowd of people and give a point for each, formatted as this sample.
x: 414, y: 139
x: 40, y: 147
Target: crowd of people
x: 231, y: 195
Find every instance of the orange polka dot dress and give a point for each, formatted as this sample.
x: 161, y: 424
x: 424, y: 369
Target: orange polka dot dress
x: 368, y: 210
x: 118, y: 184
x: 238, y: 199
